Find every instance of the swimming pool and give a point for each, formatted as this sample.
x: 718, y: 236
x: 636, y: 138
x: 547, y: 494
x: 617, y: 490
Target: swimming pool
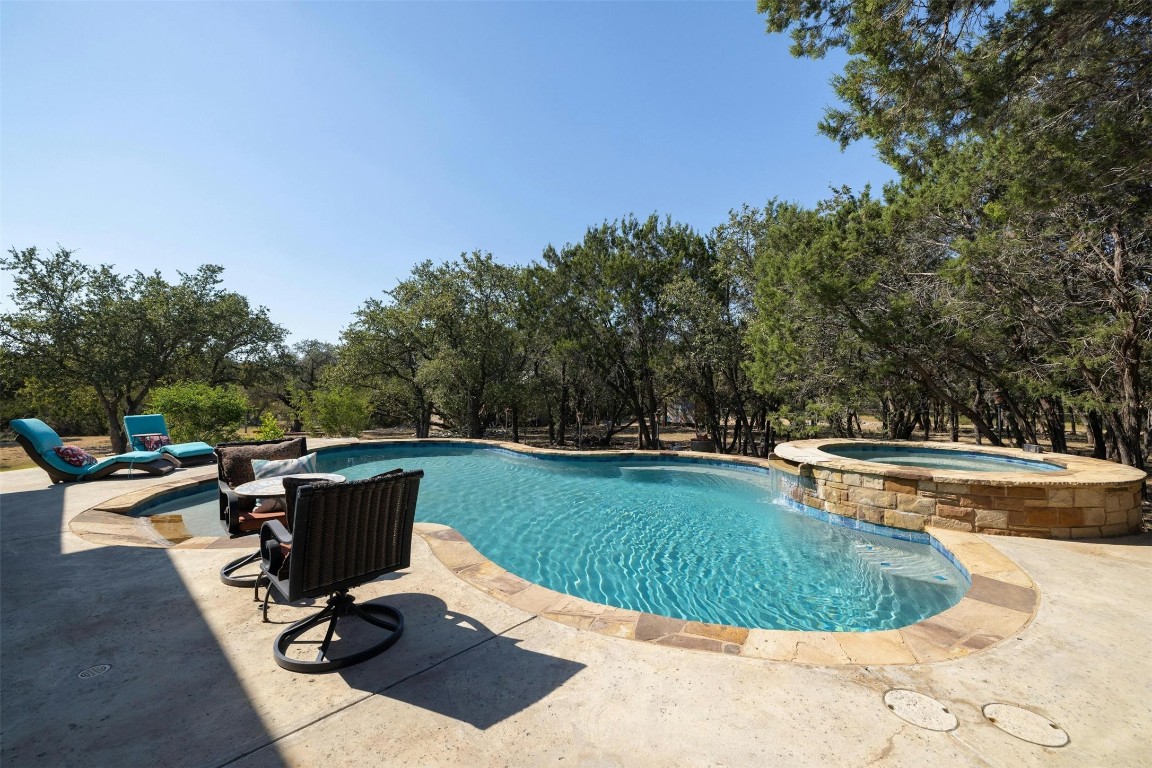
x: 693, y: 539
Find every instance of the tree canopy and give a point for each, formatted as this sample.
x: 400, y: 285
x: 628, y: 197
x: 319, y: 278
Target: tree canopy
x: 119, y: 336
x: 1003, y: 281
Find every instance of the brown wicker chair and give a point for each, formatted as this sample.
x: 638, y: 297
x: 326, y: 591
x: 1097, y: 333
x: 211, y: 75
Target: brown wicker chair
x: 237, y: 515
x: 343, y: 535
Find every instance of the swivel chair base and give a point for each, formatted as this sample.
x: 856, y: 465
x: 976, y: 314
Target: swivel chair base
x: 340, y: 606
x: 227, y: 572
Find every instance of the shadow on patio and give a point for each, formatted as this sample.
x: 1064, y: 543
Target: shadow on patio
x: 169, y: 696
x: 483, y: 679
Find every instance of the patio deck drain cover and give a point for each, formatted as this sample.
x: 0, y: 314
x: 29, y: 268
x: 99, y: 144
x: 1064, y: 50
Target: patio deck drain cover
x: 1025, y: 725
x: 95, y: 671
x: 920, y: 710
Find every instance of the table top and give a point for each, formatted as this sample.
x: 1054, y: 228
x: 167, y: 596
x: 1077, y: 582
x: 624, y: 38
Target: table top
x: 274, y: 486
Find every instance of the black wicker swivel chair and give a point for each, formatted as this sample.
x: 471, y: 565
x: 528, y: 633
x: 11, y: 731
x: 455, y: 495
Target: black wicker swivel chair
x: 343, y: 535
x: 233, y: 468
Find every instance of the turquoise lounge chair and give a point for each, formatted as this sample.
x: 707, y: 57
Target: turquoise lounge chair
x: 40, y: 441
x: 140, y: 429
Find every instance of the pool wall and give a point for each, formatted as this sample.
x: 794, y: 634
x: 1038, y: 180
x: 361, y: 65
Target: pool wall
x: 1089, y: 498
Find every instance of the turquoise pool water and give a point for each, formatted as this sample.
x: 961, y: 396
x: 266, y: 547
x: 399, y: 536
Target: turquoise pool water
x: 698, y: 541
x: 937, y: 458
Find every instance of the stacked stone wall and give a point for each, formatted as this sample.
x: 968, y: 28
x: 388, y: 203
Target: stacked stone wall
x: 1042, y: 510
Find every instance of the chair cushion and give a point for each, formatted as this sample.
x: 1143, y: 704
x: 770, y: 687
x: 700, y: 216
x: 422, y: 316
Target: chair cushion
x: 154, y: 442
x: 251, y: 521
x: 144, y: 424
x: 132, y: 457
x: 42, y: 436
x: 138, y: 457
x: 187, y: 450
x: 236, y: 460
x: 262, y: 468
x: 74, y: 455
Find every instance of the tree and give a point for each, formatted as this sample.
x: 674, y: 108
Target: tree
x: 389, y: 345
x: 121, y: 336
x: 1031, y: 124
x: 614, y: 310
x: 449, y: 334
x: 293, y: 377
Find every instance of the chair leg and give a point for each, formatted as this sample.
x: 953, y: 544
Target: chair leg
x: 267, y: 597
x: 240, y: 562
x: 340, y: 605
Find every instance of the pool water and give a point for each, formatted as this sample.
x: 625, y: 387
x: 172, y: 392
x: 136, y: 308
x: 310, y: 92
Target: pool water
x: 938, y: 458
x: 698, y: 541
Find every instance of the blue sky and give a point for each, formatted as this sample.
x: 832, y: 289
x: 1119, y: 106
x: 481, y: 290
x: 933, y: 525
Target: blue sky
x: 319, y: 151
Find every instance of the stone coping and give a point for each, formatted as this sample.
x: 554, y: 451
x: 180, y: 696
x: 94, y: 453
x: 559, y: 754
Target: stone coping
x: 1001, y: 602
x: 1077, y: 471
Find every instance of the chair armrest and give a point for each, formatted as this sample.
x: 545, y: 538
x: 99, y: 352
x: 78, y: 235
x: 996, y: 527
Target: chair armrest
x: 273, y: 535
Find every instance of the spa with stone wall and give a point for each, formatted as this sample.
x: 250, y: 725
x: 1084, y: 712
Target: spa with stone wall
x: 1088, y: 498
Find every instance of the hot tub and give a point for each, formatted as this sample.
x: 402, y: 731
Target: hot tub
x: 963, y: 487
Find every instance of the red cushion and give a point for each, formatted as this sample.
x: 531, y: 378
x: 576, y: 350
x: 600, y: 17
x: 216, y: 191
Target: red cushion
x: 154, y: 442
x: 77, y: 457
x: 251, y: 521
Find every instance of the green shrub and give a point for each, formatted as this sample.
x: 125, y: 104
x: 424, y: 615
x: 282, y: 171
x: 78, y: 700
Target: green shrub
x: 200, y: 412
x: 339, y: 411
x: 269, y: 428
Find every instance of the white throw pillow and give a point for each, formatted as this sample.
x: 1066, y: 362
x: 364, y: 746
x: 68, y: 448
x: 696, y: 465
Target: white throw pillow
x: 262, y: 468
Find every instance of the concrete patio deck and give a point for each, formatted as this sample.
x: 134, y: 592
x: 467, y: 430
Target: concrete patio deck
x: 475, y: 681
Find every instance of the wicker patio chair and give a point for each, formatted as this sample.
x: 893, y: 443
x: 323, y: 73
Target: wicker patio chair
x: 343, y: 535
x: 237, y: 513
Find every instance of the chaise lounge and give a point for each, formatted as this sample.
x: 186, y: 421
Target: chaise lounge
x: 41, y: 442
x: 149, y: 432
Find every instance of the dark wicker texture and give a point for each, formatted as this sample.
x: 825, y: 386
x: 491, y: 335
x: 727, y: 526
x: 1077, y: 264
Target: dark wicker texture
x: 234, y: 467
x: 235, y: 459
x: 350, y: 533
x: 344, y: 535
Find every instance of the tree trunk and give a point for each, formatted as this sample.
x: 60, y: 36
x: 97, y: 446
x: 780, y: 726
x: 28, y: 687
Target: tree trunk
x: 112, y: 413
x: 1052, y: 411
x: 1128, y: 421
x: 475, y: 416
x: 565, y: 395
x: 1094, y: 426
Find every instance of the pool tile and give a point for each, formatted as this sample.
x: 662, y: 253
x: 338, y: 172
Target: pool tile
x: 931, y: 641
x: 457, y: 555
x: 973, y: 617
x: 794, y: 646
x: 570, y: 620
x: 622, y: 629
